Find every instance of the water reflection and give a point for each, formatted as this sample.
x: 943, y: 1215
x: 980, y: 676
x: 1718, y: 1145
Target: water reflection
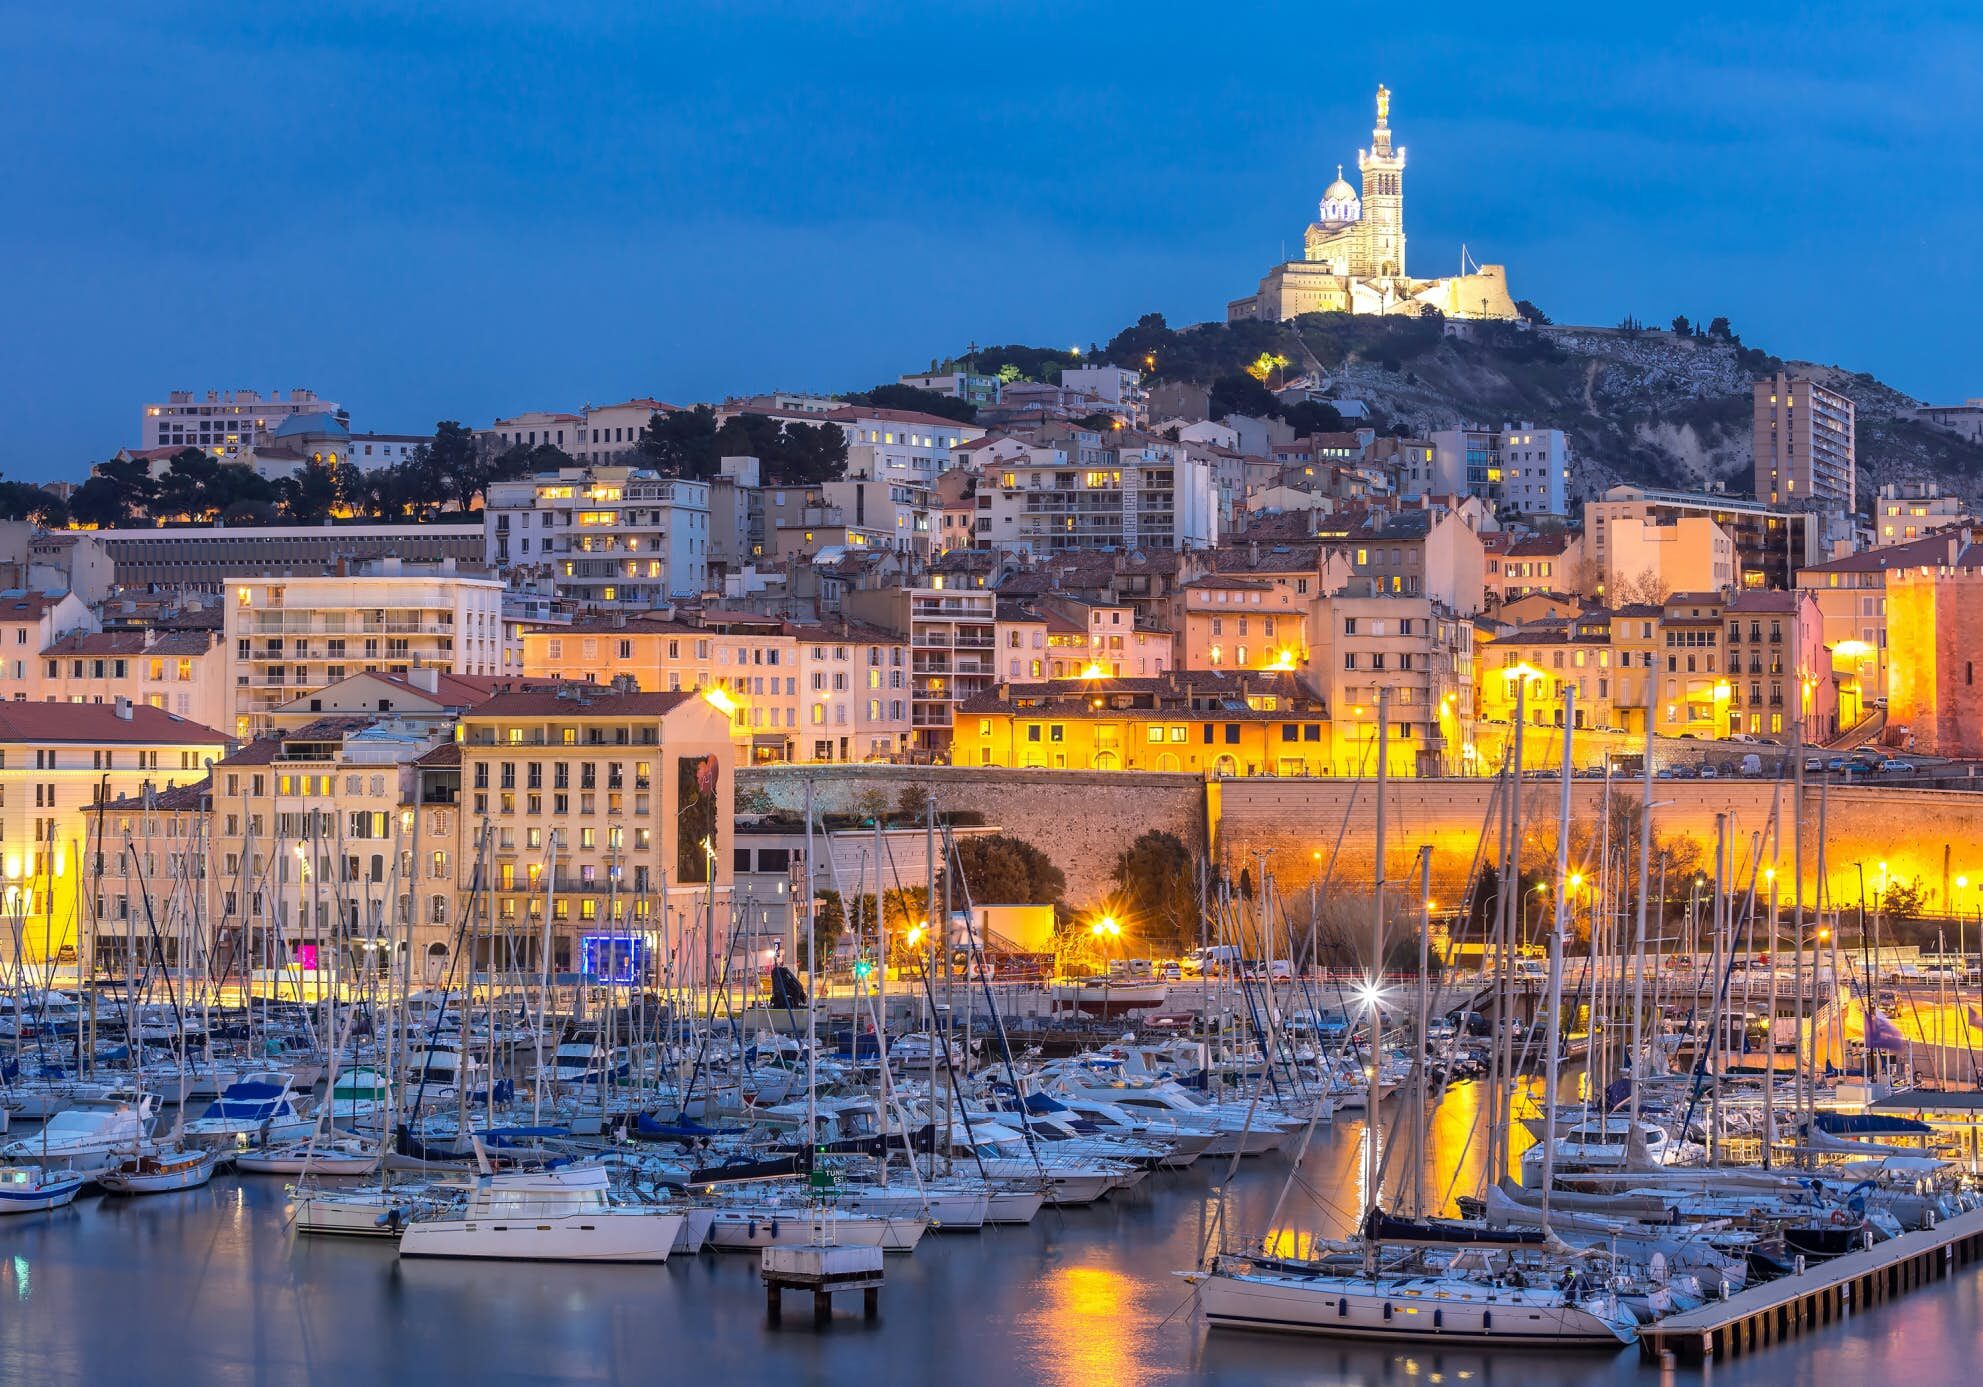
x: 1091, y: 1327
x: 209, y: 1289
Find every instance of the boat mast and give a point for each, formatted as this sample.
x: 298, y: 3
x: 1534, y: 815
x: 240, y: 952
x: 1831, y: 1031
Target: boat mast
x: 1638, y: 1065
x: 1553, y: 1056
x: 1372, y: 1127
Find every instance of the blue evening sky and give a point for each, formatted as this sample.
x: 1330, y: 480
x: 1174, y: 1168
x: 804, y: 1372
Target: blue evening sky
x: 429, y: 211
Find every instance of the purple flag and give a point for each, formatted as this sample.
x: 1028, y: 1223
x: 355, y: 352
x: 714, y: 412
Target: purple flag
x: 1882, y: 1034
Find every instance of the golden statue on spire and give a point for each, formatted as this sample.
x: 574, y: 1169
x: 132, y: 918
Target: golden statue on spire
x: 1383, y: 104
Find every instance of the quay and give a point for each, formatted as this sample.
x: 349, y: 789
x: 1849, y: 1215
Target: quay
x: 1778, y: 1310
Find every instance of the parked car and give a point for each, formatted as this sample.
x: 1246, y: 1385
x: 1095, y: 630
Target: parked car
x: 1742, y: 737
x: 1814, y: 764
x: 1752, y: 765
x: 1685, y: 773
x: 1835, y: 764
x: 1709, y: 773
x: 1898, y: 767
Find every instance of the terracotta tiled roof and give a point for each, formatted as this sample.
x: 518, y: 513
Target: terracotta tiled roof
x: 584, y: 700
x: 100, y: 722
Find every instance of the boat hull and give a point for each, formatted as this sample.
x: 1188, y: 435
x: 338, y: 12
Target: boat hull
x: 596, y: 1235
x: 1341, y: 1309
x: 748, y: 1231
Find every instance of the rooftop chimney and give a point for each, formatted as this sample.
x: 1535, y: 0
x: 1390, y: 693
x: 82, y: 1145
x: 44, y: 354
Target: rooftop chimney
x: 425, y: 678
x: 124, y: 709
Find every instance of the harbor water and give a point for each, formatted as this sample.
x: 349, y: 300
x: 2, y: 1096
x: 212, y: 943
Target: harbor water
x: 209, y: 1289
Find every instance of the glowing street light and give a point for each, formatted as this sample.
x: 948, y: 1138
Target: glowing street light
x: 1106, y: 928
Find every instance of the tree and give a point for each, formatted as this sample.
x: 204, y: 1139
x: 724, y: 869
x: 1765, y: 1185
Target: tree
x: 456, y: 466
x: 1682, y: 328
x: 1241, y: 394
x: 1531, y: 313
x: 1313, y: 416
x: 1158, y: 878
x: 680, y: 443
x: 309, y: 496
x: 829, y: 922
x: 913, y: 397
x: 1645, y: 586
x: 1001, y: 870
x: 1719, y: 328
x: 26, y: 501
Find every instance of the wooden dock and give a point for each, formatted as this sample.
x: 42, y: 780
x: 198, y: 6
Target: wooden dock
x: 1827, y: 1292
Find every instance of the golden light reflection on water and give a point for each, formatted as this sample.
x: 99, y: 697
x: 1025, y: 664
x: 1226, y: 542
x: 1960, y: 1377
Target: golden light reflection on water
x: 1092, y: 1327
x: 1291, y: 1242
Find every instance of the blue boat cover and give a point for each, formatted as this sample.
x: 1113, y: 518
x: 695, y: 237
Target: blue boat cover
x: 1871, y: 1124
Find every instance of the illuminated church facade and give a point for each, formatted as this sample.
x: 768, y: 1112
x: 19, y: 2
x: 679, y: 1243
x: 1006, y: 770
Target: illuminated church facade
x: 1353, y: 253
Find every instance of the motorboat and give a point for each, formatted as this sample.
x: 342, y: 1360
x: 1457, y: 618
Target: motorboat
x: 359, y: 1096
x: 161, y: 1172
x: 257, y: 1110
x: 89, y: 1134
x: 31, y: 1189
x: 562, y: 1215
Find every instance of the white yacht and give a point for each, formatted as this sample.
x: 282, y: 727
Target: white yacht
x: 257, y: 1110
x: 564, y: 1215
x: 89, y: 1134
x: 1493, y: 1307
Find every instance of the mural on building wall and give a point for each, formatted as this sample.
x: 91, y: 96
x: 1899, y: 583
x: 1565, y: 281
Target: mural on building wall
x: 695, y: 820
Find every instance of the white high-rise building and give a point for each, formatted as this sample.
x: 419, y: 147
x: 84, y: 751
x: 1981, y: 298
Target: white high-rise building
x: 1517, y: 469
x: 225, y: 422
x: 287, y: 636
x: 607, y: 536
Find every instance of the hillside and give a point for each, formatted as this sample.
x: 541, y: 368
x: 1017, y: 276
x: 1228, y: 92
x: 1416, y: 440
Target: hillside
x: 1641, y: 405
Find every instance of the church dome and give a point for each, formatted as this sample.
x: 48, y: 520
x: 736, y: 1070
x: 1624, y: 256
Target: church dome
x: 1340, y: 203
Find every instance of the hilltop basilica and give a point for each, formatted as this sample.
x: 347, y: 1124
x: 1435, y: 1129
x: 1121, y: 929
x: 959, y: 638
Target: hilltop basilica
x: 1353, y: 254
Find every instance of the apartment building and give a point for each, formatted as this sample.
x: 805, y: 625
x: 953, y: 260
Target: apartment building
x: 224, y: 423
x: 1082, y: 489
x: 1904, y: 511
x: 182, y: 672
x: 1771, y: 542
x: 1514, y: 565
x: 1518, y: 470
x: 1193, y: 722
x: 1650, y: 556
x: 312, y: 850
x: 1804, y: 446
x: 1421, y: 651
x: 606, y: 536
x: 1694, y: 691
x: 825, y: 692
x: 1779, y: 671
x: 1222, y: 621
x: 897, y: 445
x: 287, y: 636
x: 1535, y: 669
x: 1424, y: 552
x: 59, y: 763
x: 953, y: 649
x: 1851, y: 594
x: 597, y: 821
x: 29, y: 623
